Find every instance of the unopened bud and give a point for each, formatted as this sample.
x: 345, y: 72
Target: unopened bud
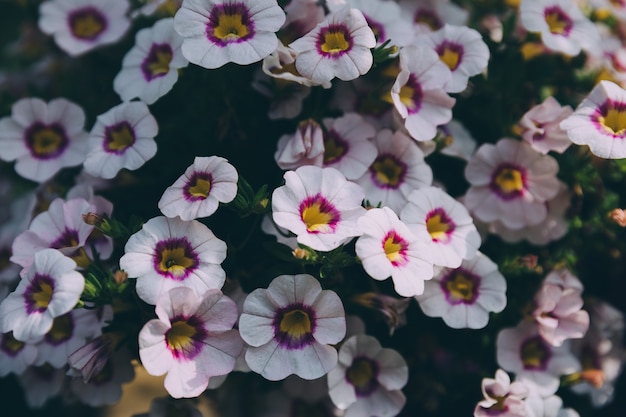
x: 595, y: 377
x: 528, y: 261
x: 263, y: 203
x: 120, y: 277
x: 92, y: 219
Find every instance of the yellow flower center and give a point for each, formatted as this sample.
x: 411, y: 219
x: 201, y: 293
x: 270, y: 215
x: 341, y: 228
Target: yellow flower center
x: 158, y: 61
x: 175, y: 261
x: 199, y: 188
x: 362, y: 374
x: 46, y: 141
x: 119, y: 137
x: 40, y: 294
x: 10, y: 344
x: 451, y: 56
x: 87, y: 23
x: 334, y: 147
x: 296, y: 323
x: 334, y: 41
x: 180, y: 336
x: 394, y: 247
x: 62, y: 329
x: 388, y: 171
x: 460, y: 287
x: 318, y: 215
x: 614, y: 120
x: 558, y: 22
x: 439, y: 226
x: 509, y: 181
x: 230, y: 27
x: 534, y: 353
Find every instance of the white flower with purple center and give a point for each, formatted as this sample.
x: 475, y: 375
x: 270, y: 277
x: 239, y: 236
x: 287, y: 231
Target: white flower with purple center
x: 347, y: 145
x: 221, y: 31
x: 418, y: 93
x: 60, y: 227
x: 398, y: 170
x: 462, y: 49
x: 510, y: 183
x: 79, y: 26
x: 388, y: 248
x: 431, y: 15
x: 523, y: 351
x: 169, y: 253
x: 444, y: 224
x: 50, y: 289
x: 304, y: 147
x: 191, y: 341
x: 600, y: 121
x: 289, y: 327
x: 368, y: 379
x: 150, y: 68
x: 319, y: 206
x: 123, y: 137
x: 197, y: 193
x: 337, y: 47
x: 502, y: 398
x: 43, y: 137
x: 463, y: 297
x: 561, y: 23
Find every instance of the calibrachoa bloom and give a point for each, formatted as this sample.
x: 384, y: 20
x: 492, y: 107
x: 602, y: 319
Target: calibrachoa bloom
x: 540, y: 126
x: 50, y: 289
x: 399, y: 168
x: 431, y: 15
x: 462, y: 49
x: 304, y: 147
x: 600, y: 121
x: 15, y: 355
x: 337, y: 47
x: 221, y: 31
x: 318, y: 205
x: 562, y: 25
x: 289, y: 327
x: 523, y: 351
x: 43, y: 137
x: 347, y: 145
x: 81, y: 25
x: 388, y: 248
x: 150, y: 68
x: 463, y: 297
x: 191, y: 341
x: 444, y: 224
x: 123, y: 137
x: 169, y: 253
x: 502, y: 398
x: 418, y: 93
x: 510, y: 183
x: 368, y: 379
x: 197, y: 193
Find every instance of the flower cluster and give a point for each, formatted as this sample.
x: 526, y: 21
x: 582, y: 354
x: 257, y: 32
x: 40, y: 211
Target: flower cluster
x: 343, y: 207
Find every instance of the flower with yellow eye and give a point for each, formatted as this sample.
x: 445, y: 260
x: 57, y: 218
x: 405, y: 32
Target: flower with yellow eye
x: 337, y: 47
x: 123, y: 137
x: 43, y: 137
x: 600, y: 121
x: 191, y: 341
x: 444, y: 224
x: 221, y: 31
x: 463, y: 297
x: 168, y: 253
x: 79, y: 26
x: 510, y: 182
x: 49, y: 289
x: 289, y: 327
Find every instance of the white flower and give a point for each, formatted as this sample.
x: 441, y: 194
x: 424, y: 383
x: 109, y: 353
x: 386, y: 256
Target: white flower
x: 430, y: 15
x: 221, y: 31
x: 43, y: 137
x: 502, y: 398
x: 337, y: 47
x: 319, y: 206
x: 462, y: 49
x: 81, y: 25
x: 197, y: 193
x: 191, y: 341
x: 399, y: 168
x: 289, y: 327
x: 562, y: 25
x: 510, y: 182
x: 418, y: 93
x: 123, y: 137
x: 444, y: 224
x: 15, y: 355
x: 150, y: 68
x: 463, y: 297
x: 541, y: 126
x: 388, y: 248
x: 304, y: 147
x: 169, y: 253
x: 368, y: 379
x: 50, y: 289
x: 600, y: 121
